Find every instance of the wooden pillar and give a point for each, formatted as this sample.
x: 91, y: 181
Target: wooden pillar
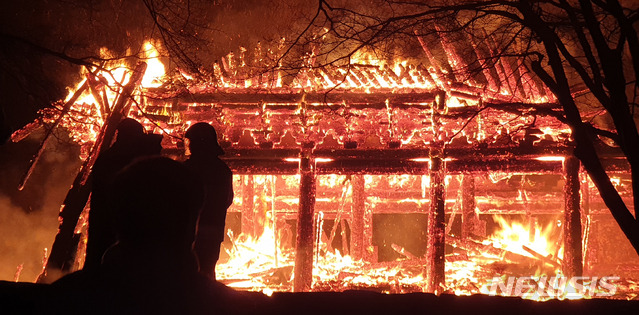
x: 467, y: 204
x: 248, y: 206
x: 436, y: 227
x: 358, y: 226
x: 304, y: 241
x: 573, y: 262
x: 276, y: 244
x: 585, y: 210
x: 435, y: 273
x: 585, y: 194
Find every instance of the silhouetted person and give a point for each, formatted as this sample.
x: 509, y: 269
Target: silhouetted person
x: 218, y: 189
x: 152, y: 268
x: 131, y: 143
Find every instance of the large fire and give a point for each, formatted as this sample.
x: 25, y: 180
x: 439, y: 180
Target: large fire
x: 261, y: 263
x: 524, y: 240
x: 262, y: 255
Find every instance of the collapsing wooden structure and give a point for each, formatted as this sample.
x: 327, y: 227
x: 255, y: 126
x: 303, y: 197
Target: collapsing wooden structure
x: 430, y: 122
x: 364, y: 119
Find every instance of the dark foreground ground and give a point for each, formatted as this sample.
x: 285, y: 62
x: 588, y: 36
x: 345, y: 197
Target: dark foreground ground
x: 27, y: 298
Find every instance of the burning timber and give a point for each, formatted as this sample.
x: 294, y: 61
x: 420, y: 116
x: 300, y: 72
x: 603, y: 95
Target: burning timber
x: 328, y: 161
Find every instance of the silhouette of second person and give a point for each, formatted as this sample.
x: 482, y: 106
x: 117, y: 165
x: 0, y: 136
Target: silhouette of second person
x: 218, y: 189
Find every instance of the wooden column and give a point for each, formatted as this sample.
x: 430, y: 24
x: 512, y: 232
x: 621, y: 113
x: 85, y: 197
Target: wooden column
x: 585, y: 210
x: 304, y: 241
x: 276, y: 244
x: 573, y: 262
x: 436, y: 219
x: 436, y: 227
x: 358, y: 240
x: 467, y: 204
x: 248, y: 206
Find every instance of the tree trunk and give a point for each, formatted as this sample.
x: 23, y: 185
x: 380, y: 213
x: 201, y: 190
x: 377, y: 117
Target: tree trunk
x: 585, y: 150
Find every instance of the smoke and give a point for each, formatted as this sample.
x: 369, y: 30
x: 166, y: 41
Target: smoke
x: 24, y: 237
x: 29, y: 218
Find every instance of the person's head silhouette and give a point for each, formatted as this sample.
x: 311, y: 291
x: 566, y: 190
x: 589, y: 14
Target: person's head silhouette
x: 203, y: 139
x: 129, y: 130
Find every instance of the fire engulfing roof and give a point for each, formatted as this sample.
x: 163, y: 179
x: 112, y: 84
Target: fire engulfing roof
x: 365, y: 105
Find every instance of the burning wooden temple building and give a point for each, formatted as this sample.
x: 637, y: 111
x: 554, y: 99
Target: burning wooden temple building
x: 398, y: 177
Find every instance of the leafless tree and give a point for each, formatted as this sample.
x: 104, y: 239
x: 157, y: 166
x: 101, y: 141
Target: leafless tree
x: 585, y: 51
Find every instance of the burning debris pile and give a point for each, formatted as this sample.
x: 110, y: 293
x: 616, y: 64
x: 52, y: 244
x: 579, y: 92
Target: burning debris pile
x: 394, y: 177
x: 508, y: 246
